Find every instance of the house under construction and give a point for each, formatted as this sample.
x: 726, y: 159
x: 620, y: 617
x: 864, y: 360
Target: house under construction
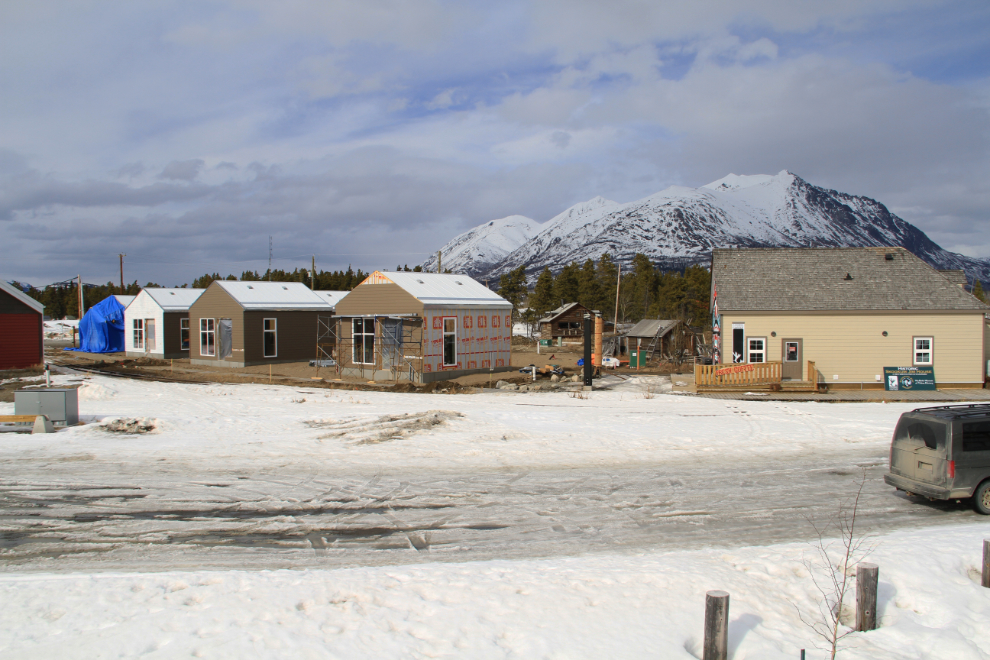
x: 417, y: 327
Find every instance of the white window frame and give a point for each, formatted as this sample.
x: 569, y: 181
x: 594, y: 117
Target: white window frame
x: 750, y: 351
x: 264, y: 339
x: 184, y: 332
x: 138, y: 336
x: 208, y: 330
x: 923, y: 351
x: 444, y: 334
x: 359, y: 339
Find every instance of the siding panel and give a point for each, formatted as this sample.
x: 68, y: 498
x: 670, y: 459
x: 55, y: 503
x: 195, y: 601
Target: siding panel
x: 20, y: 340
x: 852, y: 346
x: 215, y: 303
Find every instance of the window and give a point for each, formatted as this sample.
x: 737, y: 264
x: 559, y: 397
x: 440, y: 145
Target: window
x: 917, y: 433
x: 184, y: 334
x: 757, y: 349
x: 976, y: 436
x: 922, y: 350
x: 790, y: 351
x: 138, y: 333
x: 207, y: 337
x: 449, y: 342
x: 271, y: 339
x: 364, y: 341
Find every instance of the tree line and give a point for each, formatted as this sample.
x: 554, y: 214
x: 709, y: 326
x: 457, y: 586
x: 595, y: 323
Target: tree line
x: 647, y: 291
x: 62, y: 299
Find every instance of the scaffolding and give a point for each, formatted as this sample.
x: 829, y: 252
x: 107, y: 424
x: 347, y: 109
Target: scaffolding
x: 397, y: 347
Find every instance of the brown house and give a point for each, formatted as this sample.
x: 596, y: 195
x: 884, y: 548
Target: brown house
x: 565, y: 323
x: 21, y: 329
x: 238, y: 324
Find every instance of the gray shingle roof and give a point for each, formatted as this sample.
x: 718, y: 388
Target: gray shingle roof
x: 551, y: 315
x: 832, y: 279
x: 649, y: 327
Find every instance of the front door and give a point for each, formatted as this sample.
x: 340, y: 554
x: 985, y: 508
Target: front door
x: 792, y: 352
x: 226, y: 338
x: 149, y: 337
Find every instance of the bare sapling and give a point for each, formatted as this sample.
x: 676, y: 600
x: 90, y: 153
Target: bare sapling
x: 835, y: 584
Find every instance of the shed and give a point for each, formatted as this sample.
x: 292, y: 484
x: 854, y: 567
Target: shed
x: 21, y: 329
x: 657, y: 333
x: 422, y: 327
x: 839, y: 316
x: 238, y: 324
x: 157, y: 323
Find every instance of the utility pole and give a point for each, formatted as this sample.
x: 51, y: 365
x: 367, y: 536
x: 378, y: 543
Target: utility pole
x: 439, y: 267
x: 81, y: 310
x: 312, y: 275
x: 615, y: 319
x: 269, y: 258
x: 122, y: 273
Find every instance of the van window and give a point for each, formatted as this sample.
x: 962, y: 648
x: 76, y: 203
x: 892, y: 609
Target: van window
x: 976, y: 436
x: 921, y: 431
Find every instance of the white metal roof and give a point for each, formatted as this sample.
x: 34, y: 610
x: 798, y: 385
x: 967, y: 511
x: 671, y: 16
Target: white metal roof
x: 23, y: 297
x: 332, y: 297
x: 446, y: 289
x: 174, y: 300
x: 274, y: 295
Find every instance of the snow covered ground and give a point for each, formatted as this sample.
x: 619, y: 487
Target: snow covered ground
x: 930, y: 605
x: 484, y: 526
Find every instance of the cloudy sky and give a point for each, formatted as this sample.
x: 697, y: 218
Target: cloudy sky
x: 371, y: 132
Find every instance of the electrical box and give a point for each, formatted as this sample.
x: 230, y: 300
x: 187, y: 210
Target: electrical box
x: 61, y: 406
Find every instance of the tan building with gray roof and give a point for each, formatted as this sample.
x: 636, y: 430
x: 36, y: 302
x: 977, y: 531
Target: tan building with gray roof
x: 850, y: 311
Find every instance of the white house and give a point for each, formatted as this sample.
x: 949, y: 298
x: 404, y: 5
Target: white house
x: 156, y: 323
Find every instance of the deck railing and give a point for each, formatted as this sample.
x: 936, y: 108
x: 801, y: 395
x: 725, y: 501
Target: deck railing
x: 737, y: 375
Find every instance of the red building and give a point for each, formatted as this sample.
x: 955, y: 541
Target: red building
x: 21, y: 329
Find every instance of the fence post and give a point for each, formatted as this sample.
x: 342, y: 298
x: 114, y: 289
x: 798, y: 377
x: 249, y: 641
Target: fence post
x: 716, y: 626
x: 986, y: 563
x: 867, y: 576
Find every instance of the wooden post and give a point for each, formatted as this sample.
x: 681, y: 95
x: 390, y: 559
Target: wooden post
x: 312, y: 276
x: 867, y: 576
x: 122, y: 255
x: 986, y: 563
x: 716, y: 626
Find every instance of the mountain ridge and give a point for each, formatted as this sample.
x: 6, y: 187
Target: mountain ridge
x: 683, y: 224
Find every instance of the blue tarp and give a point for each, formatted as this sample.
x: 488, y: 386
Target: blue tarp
x: 102, y: 328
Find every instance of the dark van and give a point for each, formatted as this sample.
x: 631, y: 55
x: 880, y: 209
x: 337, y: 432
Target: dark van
x: 943, y: 453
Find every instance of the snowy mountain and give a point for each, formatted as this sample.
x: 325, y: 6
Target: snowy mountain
x: 684, y: 224
x: 481, y: 249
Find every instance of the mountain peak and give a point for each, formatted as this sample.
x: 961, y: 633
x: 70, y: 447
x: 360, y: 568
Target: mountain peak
x: 682, y: 225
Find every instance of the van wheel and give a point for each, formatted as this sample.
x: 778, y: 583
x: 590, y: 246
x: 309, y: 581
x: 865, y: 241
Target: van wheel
x: 981, y: 498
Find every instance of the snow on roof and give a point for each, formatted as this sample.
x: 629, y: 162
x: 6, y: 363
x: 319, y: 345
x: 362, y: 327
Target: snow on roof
x: 274, y: 295
x: 441, y: 289
x: 23, y: 297
x: 332, y: 297
x: 174, y: 300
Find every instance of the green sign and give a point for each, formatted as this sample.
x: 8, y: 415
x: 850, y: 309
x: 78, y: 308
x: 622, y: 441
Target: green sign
x: 899, y: 379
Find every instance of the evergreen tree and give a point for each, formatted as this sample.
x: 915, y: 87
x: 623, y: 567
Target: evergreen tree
x: 567, y: 287
x: 607, y: 274
x: 978, y: 291
x: 542, y: 299
x: 512, y: 286
x: 589, y: 288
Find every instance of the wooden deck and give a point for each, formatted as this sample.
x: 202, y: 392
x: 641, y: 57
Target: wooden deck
x: 761, y: 377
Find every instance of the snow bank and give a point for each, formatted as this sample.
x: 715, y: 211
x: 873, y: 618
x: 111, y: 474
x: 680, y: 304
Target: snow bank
x: 636, y: 422
x: 930, y: 606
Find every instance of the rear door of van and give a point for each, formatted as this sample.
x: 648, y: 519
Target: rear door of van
x: 919, y: 449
